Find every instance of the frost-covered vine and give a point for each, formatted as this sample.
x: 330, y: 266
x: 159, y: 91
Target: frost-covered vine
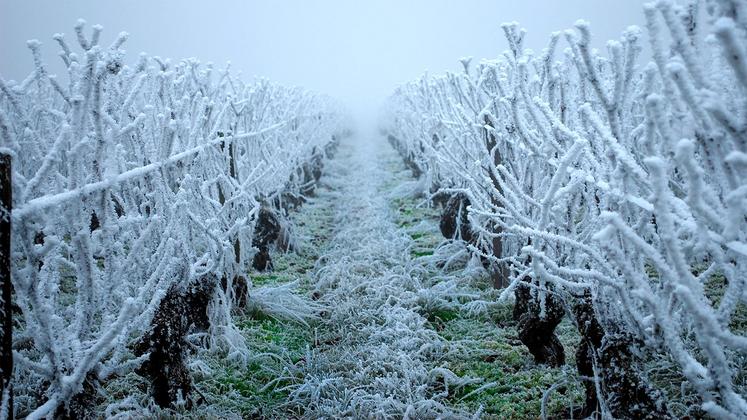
x: 609, y: 179
x: 131, y: 180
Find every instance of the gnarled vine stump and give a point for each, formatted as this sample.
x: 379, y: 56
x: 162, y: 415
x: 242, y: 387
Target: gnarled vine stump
x: 626, y: 392
x: 266, y: 233
x: 537, y: 328
x: 182, y: 310
x: 454, y: 223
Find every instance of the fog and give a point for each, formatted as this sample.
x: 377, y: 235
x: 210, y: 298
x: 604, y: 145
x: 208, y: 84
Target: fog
x: 355, y: 51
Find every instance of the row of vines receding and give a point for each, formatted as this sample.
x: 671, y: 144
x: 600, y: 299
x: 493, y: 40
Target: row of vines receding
x: 142, y: 196
x: 608, y: 191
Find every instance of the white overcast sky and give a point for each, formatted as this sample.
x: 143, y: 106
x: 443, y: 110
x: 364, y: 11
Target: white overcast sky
x: 357, y: 51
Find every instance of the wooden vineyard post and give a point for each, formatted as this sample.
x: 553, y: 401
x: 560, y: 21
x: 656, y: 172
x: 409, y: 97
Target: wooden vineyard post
x: 6, y: 311
x: 500, y: 272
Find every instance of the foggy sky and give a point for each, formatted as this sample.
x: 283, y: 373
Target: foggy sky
x: 356, y: 51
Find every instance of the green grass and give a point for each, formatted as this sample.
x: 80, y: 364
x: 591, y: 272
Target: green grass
x: 421, y: 253
x: 497, y: 356
x: 244, y: 389
x: 409, y: 214
x: 438, y: 319
x: 287, y: 267
x: 417, y: 235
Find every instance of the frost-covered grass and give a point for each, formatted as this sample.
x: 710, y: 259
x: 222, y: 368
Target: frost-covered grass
x: 255, y: 389
x: 399, y: 334
x: 375, y: 353
x: 516, y: 385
